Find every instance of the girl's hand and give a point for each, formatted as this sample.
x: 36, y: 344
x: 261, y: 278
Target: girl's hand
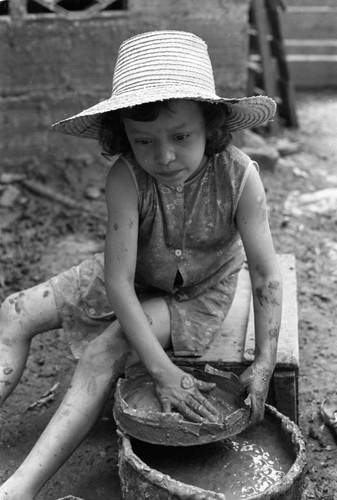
x: 256, y: 380
x: 182, y: 391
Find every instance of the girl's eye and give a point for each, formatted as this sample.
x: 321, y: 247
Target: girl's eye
x: 142, y: 142
x: 181, y: 137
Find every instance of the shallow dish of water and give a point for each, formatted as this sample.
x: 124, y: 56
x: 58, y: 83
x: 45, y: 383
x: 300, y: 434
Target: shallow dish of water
x: 138, y: 413
x: 264, y: 462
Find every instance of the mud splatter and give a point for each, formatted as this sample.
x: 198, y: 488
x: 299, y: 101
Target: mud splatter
x: 150, y: 320
x: 118, y: 366
x: 257, y: 351
x: 263, y: 298
x: 17, y: 307
x: 6, y: 383
x: 92, y: 386
x: 7, y: 341
x: 46, y: 293
x: 263, y: 215
x: 273, y: 333
x: 116, y: 227
x: 65, y: 413
x: 266, y: 298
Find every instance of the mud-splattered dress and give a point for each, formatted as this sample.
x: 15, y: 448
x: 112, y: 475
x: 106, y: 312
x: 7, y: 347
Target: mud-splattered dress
x: 189, y: 252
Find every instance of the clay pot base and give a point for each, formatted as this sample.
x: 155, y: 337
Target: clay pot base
x: 264, y: 462
x: 138, y: 413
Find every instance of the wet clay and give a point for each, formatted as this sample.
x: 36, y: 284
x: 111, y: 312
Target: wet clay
x: 240, y: 467
x: 143, y: 398
x: 139, y: 414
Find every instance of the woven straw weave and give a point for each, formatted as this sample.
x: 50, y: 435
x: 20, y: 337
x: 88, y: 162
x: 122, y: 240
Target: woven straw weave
x: 161, y: 65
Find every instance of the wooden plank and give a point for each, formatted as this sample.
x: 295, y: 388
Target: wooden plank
x: 305, y: 23
x: 286, y: 91
x: 313, y: 72
x: 234, y: 344
x: 261, y: 43
x: 18, y: 11
x: 285, y: 385
x: 288, y: 348
x: 227, y: 346
x: 260, y: 22
x: 310, y: 3
x: 235, y: 341
x: 311, y: 47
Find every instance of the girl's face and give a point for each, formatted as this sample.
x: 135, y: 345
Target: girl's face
x: 172, y: 147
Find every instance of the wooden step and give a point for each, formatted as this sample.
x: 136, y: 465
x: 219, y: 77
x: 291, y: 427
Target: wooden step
x: 310, y: 72
x: 305, y: 23
x: 311, y: 47
x: 310, y: 3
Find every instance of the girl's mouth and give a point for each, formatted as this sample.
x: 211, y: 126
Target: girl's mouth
x: 171, y: 173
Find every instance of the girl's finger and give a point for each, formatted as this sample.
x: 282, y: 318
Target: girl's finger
x: 188, y: 413
x: 203, y: 407
x: 165, y: 405
x: 205, y: 403
x: 205, y: 386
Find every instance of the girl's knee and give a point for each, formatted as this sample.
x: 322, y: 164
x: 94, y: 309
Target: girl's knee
x: 105, y: 345
x: 107, y: 350
x: 9, y: 310
x: 31, y: 311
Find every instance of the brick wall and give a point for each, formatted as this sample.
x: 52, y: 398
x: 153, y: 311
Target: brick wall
x: 52, y: 67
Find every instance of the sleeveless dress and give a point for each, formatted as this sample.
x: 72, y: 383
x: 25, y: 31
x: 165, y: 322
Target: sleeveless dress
x: 189, y: 253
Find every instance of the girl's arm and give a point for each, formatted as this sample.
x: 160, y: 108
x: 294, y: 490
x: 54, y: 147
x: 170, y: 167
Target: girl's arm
x: 252, y: 222
x: 120, y: 264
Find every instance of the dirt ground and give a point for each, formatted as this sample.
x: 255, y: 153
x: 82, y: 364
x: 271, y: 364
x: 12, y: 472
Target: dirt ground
x: 39, y: 237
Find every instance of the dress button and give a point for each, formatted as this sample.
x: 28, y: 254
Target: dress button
x: 178, y: 252
x: 179, y: 189
x: 92, y: 310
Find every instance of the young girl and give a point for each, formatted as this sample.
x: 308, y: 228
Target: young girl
x: 185, y: 208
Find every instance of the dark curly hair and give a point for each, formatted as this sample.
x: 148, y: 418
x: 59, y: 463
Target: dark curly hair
x: 113, y: 138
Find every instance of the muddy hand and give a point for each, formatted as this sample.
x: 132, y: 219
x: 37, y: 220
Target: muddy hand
x: 191, y: 403
x: 256, y: 381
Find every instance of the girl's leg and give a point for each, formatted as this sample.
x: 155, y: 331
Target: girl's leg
x: 23, y: 315
x: 103, y: 361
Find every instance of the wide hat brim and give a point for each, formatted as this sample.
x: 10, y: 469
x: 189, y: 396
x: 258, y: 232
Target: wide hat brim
x: 246, y: 112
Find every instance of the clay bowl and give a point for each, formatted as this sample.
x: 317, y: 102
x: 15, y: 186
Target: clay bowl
x: 140, y: 480
x: 138, y: 413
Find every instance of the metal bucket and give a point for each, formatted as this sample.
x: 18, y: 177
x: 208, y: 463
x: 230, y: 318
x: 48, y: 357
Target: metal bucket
x: 140, y: 481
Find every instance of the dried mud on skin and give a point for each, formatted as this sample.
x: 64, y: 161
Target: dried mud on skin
x: 40, y: 237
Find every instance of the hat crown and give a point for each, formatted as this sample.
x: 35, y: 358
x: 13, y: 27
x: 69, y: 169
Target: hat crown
x: 161, y: 65
x: 163, y: 59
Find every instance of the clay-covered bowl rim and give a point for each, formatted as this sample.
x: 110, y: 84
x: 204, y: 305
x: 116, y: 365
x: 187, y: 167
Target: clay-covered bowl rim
x: 172, y: 429
x: 291, y: 482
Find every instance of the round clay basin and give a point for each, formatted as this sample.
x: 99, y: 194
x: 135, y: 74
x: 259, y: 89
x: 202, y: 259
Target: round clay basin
x: 138, y: 413
x: 150, y: 472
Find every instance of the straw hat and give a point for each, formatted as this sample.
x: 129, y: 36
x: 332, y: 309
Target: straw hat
x: 160, y: 65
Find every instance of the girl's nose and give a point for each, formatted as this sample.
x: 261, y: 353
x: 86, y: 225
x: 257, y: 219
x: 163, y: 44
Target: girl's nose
x: 164, y: 153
